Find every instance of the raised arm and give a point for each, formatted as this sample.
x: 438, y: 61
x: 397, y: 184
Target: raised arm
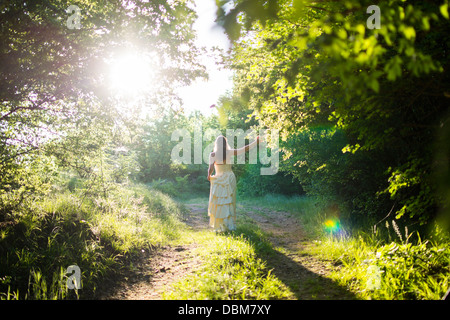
x: 246, y: 148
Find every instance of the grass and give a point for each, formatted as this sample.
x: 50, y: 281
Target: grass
x: 391, y: 271
x: 100, y: 234
x: 97, y: 234
x: 232, y: 267
x: 386, y: 265
x: 231, y: 271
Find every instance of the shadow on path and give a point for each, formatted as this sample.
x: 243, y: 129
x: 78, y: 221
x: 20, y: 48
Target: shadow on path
x: 296, y: 272
x: 267, y: 230
x: 279, y: 239
x: 276, y: 238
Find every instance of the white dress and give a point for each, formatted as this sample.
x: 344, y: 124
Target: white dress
x: 222, y: 195
x: 222, y: 199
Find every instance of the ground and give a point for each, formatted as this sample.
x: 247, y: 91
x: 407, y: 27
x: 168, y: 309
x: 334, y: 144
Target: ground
x: 304, y: 274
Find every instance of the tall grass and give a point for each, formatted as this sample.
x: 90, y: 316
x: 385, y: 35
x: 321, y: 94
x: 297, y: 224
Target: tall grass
x: 68, y: 228
x: 398, y: 270
x: 386, y: 263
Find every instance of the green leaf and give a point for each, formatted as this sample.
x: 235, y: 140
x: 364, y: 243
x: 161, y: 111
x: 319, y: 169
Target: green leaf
x: 426, y: 23
x: 360, y: 29
x: 393, y: 68
x: 374, y: 85
x: 444, y: 10
x: 409, y: 33
x: 341, y: 33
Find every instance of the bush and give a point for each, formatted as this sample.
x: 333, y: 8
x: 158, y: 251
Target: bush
x: 412, y: 271
x: 251, y: 183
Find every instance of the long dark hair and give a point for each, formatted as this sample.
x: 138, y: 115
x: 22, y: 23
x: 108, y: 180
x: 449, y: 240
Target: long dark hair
x: 220, y: 148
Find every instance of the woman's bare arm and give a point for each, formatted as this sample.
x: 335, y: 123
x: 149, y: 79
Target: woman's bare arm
x: 246, y: 148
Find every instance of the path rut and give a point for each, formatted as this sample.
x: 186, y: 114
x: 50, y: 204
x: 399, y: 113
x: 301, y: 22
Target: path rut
x: 304, y: 274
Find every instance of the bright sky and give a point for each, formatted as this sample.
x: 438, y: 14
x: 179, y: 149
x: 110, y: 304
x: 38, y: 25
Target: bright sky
x: 202, y: 94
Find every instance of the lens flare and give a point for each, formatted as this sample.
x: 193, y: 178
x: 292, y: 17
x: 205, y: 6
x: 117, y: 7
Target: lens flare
x: 331, y: 225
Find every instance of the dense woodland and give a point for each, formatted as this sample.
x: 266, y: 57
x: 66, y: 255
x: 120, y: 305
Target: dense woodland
x: 362, y: 114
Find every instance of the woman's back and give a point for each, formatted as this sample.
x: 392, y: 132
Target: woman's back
x: 217, y: 158
x: 222, y: 197
x: 221, y: 168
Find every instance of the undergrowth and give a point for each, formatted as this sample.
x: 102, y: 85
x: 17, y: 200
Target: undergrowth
x: 96, y: 233
x: 99, y: 233
x: 398, y: 270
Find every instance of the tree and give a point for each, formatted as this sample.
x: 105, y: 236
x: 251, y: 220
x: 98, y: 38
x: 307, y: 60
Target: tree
x: 54, y: 93
x: 302, y: 64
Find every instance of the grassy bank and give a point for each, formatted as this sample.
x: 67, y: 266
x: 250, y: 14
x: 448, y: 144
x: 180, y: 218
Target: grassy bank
x: 387, y: 264
x: 394, y: 271
x: 98, y: 234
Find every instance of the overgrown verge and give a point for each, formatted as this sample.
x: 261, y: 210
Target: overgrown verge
x: 384, y: 263
x: 98, y: 234
x: 396, y: 270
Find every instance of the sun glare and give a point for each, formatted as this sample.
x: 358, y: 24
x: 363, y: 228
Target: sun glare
x: 131, y: 75
x: 332, y: 225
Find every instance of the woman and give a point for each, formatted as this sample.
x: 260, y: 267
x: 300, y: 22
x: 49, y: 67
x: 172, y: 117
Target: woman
x: 222, y: 196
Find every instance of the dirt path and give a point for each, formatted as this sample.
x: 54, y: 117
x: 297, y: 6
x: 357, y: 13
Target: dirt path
x: 302, y: 273
x: 153, y: 273
x: 156, y: 270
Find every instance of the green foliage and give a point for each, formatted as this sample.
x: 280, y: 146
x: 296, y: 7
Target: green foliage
x: 24, y: 181
x: 154, y: 147
x: 413, y: 271
x: 411, y: 184
x: 54, y: 94
x: 156, y: 168
x: 314, y: 157
x: 65, y: 137
x: 309, y: 65
x: 252, y: 183
x: 363, y: 117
